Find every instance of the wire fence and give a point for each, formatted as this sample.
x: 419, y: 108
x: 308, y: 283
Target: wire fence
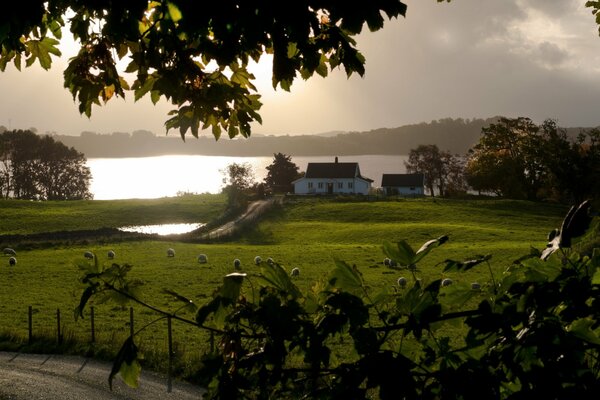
x: 90, y: 334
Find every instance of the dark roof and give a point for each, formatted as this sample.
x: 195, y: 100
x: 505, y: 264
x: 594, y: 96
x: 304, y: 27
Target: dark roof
x: 397, y: 180
x: 332, y: 170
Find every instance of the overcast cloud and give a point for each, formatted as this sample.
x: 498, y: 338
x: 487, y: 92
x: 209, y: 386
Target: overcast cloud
x: 468, y: 58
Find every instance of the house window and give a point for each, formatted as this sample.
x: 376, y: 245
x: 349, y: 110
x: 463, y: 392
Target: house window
x: 340, y: 185
x: 320, y: 185
x: 310, y: 185
x: 350, y: 185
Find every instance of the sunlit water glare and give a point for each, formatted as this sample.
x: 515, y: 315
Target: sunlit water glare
x: 168, y: 176
x: 163, y: 229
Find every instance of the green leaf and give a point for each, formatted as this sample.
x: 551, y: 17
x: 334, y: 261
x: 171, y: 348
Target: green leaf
x: 126, y: 364
x: 232, y: 285
x: 322, y: 68
x: 427, y: 247
x: 582, y: 329
x: 455, y: 296
x: 206, y: 310
x: 189, y: 304
x: 453, y: 265
x: 144, y: 88
x: 155, y: 96
x: 402, y: 253
x: 85, y: 296
x: 292, y: 50
x: 596, y: 277
x: 274, y: 275
x: 347, y: 278
x: 174, y: 12
x: 41, y: 50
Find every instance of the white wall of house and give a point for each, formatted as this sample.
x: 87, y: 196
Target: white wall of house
x: 325, y: 186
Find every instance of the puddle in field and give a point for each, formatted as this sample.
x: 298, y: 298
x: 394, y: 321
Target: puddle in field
x: 162, y: 229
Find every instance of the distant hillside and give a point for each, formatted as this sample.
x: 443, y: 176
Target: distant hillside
x: 454, y: 135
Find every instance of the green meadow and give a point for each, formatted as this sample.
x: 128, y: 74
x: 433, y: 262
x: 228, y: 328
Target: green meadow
x: 307, y: 233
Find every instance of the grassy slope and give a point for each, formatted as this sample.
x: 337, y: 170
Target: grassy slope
x: 25, y: 217
x: 307, y: 234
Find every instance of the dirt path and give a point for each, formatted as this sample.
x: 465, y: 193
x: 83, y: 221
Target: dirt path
x: 58, y: 377
x: 252, y: 213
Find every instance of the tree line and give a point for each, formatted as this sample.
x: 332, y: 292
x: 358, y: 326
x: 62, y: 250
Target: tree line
x: 516, y: 158
x: 34, y: 167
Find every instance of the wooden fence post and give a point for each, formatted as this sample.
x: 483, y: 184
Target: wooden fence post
x: 170, y: 343
x: 30, y: 323
x: 59, y: 334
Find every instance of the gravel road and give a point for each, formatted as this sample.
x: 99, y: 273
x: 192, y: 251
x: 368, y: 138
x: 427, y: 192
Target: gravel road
x: 54, y: 377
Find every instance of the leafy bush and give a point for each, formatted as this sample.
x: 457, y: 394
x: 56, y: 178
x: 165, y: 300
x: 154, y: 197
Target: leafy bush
x: 533, y: 332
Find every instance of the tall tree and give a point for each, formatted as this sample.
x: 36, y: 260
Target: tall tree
x: 507, y: 159
x: 39, y: 168
x: 238, y: 179
x: 518, y: 159
x: 281, y: 173
x: 439, y: 168
x: 194, y: 54
x: 426, y: 159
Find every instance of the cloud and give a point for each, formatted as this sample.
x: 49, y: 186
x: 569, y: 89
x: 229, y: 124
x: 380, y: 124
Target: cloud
x: 467, y: 58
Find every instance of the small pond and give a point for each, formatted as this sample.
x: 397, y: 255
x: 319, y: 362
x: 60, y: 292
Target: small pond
x: 162, y: 229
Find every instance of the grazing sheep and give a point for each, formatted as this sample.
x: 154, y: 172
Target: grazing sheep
x: 9, y: 252
x: 257, y: 260
x: 12, y: 261
x: 270, y: 261
x: 237, y: 264
x: 111, y: 254
x: 89, y: 255
x: 475, y: 286
x: 388, y: 262
x: 202, y: 259
x: 446, y: 282
x: 170, y: 252
x: 295, y: 272
x: 402, y: 282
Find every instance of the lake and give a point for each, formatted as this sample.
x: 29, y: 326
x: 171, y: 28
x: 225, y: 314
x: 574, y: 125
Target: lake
x: 167, y: 176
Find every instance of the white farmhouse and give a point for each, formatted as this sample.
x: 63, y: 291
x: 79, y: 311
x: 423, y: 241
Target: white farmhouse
x: 332, y: 178
x: 403, y: 184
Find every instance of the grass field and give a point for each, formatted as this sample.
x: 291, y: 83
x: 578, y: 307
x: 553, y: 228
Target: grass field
x: 304, y: 233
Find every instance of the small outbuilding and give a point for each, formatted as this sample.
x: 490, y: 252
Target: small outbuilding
x: 332, y: 178
x: 403, y: 184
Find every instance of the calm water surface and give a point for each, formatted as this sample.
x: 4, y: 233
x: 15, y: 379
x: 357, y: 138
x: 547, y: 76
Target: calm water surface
x: 166, y: 176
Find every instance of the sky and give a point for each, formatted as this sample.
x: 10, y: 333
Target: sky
x: 465, y: 59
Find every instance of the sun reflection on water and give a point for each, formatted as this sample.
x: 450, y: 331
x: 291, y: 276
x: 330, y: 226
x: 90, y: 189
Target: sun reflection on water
x: 162, y: 229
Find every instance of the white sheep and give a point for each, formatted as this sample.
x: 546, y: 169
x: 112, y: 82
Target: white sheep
x: 402, y: 282
x: 295, y: 272
x: 270, y: 261
x: 89, y: 255
x: 446, y: 282
x: 388, y: 262
x: 237, y: 264
x: 12, y: 261
x: 475, y: 286
x: 257, y: 260
x: 170, y: 252
x: 9, y: 252
x: 202, y: 258
x: 111, y: 254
